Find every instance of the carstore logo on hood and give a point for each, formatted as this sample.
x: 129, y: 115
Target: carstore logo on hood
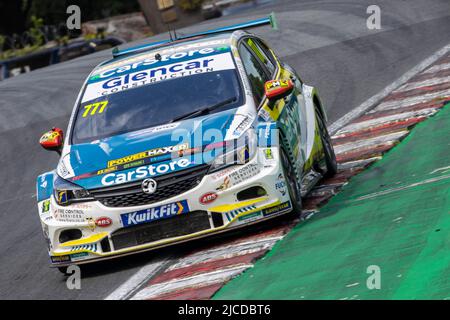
x: 145, y: 171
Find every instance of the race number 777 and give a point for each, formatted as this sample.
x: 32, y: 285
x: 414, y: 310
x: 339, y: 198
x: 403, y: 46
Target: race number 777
x: 94, y: 108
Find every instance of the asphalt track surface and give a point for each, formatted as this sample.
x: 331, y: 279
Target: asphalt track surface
x: 326, y: 41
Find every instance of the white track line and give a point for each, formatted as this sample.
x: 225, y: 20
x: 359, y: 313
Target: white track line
x: 137, y: 280
x: 359, y: 126
x: 364, y: 143
x: 200, y: 280
x: 410, y: 101
x: 371, y: 102
x: 357, y: 163
x: 437, y: 68
x: 225, y: 252
x: 421, y: 84
x: 388, y: 191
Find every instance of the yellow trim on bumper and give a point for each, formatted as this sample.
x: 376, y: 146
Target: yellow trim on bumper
x: 230, y: 207
x: 92, y: 239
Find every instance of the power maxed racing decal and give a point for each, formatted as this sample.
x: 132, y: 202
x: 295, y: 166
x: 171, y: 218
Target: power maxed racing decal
x: 156, y: 213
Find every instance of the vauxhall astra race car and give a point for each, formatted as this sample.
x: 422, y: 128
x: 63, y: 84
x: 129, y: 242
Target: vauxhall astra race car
x: 178, y: 140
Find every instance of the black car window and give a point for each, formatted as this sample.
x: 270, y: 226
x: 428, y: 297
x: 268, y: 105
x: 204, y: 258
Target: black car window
x: 262, y: 55
x: 155, y: 104
x: 256, y: 74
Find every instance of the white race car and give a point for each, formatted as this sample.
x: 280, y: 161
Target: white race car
x: 179, y: 140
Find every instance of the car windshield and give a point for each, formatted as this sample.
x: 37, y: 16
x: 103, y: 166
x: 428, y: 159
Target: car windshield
x: 156, y: 104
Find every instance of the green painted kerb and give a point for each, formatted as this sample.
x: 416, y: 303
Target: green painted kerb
x: 395, y: 215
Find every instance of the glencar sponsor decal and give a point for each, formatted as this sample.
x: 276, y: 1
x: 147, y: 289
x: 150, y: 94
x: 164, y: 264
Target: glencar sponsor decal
x: 283, y: 207
x: 156, y: 213
x: 103, y: 222
x: 145, y: 171
x: 148, y: 154
x: 208, y: 198
x: 123, y: 82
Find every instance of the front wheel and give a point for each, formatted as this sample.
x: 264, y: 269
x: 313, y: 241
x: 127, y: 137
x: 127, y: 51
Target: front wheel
x: 289, y: 174
x: 63, y: 270
x: 330, y: 157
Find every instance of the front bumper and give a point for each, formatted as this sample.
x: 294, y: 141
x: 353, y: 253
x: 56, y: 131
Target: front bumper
x: 130, y: 229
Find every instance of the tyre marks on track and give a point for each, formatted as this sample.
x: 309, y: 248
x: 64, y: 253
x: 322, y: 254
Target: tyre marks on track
x: 199, y: 274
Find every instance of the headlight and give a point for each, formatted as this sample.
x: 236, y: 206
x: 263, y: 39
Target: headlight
x: 239, y: 151
x: 66, y: 192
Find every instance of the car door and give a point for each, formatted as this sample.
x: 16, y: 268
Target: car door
x: 257, y: 58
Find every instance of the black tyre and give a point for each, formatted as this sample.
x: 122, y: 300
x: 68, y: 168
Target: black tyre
x: 330, y: 157
x: 63, y: 270
x: 292, y: 185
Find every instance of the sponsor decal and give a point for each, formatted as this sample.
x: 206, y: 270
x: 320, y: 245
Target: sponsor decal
x: 149, y: 186
x: 162, y: 51
x: 147, y: 154
x: 103, y: 222
x: 280, y: 185
x: 156, y: 213
x: 145, y: 171
x: 208, y: 198
x: 60, y: 259
x: 79, y: 256
x: 244, y: 173
x: 62, y: 197
x: 164, y: 58
x: 69, y: 215
x: 62, y: 169
x: 219, y: 175
x: 242, y: 126
x: 283, y: 207
x: 268, y: 154
x: 182, y: 151
x: 121, y: 82
x: 272, y: 85
x: 251, y: 216
x: 264, y: 114
x: 45, y: 206
x: 224, y: 185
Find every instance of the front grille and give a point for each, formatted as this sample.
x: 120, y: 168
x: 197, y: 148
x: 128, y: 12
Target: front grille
x: 158, y: 230
x: 170, y: 185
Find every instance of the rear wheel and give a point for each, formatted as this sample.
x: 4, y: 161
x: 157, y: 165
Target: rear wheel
x: 292, y: 185
x: 330, y: 157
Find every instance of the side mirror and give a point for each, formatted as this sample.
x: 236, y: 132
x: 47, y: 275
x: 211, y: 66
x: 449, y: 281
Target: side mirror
x: 278, y: 89
x: 52, y: 140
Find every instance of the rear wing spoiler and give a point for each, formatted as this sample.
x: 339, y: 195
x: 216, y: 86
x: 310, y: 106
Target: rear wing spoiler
x: 271, y: 19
